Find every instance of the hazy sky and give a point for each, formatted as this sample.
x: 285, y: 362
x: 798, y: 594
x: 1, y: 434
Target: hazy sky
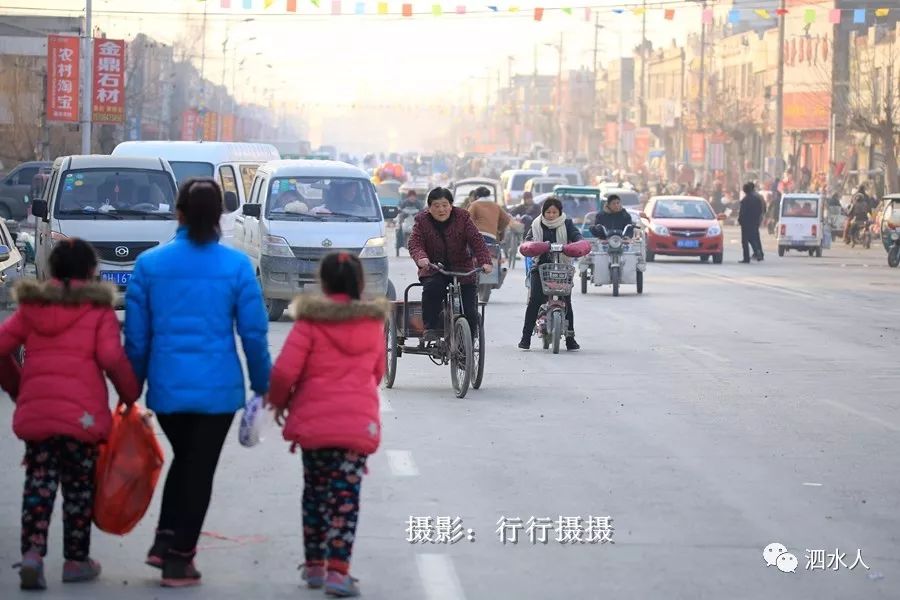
x: 375, y: 58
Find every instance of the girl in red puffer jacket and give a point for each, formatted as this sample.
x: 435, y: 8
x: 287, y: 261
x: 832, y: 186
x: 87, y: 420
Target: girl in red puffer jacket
x: 71, y: 337
x: 327, y: 379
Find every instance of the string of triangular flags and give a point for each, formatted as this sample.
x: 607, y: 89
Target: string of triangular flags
x: 407, y: 9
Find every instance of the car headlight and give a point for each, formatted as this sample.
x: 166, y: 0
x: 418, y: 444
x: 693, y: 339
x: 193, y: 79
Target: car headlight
x: 374, y: 248
x: 272, y: 245
x: 714, y: 231
x: 660, y: 230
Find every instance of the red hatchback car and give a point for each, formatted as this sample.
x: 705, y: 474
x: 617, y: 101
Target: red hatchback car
x: 683, y: 226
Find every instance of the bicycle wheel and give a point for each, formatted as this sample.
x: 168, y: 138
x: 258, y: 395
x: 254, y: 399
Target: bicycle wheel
x: 390, y: 335
x: 461, y: 357
x: 478, y: 349
x: 556, y: 327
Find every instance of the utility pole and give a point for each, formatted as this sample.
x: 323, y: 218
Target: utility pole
x: 221, y: 99
x: 643, y: 104
x: 559, y: 94
x: 779, y: 96
x: 620, y: 129
x: 702, y: 69
x: 203, y: 60
x: 87, y: 47
x: 45, y: 128
x: 593, y: 111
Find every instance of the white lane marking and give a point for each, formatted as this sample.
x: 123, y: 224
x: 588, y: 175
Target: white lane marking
x: 760, y: 284
x: 859, y: 413
x: 439, y: 577
x: 401, y: 463
x: 706, y: 353
x: 807, y: 483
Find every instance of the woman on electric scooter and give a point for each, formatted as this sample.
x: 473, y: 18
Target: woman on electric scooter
x: 552, y: 226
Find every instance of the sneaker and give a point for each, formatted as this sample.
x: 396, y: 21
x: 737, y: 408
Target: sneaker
x: 161, y: 545
x: 31, y: 572
x: 760, y: 258
x: 313, y: 575
x: 179, y: 573
x: 571, y: 344
x: 78, y: 571
x: 341, y: 585
x: 525, y: 344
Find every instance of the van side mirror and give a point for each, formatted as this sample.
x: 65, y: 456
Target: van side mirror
x: 252, y: 210
x: 231, y: 202
x: 4, y: 253
x: 39, y: 209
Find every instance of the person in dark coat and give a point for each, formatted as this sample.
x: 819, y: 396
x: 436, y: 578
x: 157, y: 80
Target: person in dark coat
x: 552, y: 226
x: 445, y: 234
x: 750, y: 218
x: 613, y: 217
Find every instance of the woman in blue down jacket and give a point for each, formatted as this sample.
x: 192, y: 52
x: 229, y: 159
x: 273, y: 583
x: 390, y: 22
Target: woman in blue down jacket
x: 183, y: 303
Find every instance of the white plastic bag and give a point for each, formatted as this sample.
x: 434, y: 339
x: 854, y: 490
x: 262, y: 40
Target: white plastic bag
x: 256, y: 421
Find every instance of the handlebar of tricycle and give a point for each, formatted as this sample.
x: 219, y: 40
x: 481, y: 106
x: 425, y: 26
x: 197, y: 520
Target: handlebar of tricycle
x: 440, y: 269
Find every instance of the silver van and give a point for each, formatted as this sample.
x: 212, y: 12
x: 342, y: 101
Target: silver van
x: 299, y: 211
x: 122, y: 206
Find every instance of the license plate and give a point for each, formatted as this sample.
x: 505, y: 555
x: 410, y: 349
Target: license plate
x: 688, y: 243
x: 116, y: 277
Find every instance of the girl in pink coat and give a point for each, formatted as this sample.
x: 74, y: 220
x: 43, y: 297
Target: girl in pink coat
x: 326, y: 382
x: 71, y: 338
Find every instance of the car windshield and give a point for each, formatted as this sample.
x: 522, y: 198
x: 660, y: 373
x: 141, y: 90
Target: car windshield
x: 461, y: 192
x: 683, y: 209
x: 799, y: 207
x: 576, y: 206
x: 187, y: 170
x: 322, y: 198
x: 519, y: 181
x: 117, y: 193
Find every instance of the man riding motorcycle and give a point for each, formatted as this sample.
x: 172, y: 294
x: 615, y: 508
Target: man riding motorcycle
x: 613, y: 217
x: 857, y: 215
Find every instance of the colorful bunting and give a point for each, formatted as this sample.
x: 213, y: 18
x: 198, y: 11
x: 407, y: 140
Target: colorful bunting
x: 670, y: 14
x: 382, y: 8
x: 493, y: 8
x: 781, y: 12
x: 437, y: 10
x: 513, y: 9
x: 882, y: 12
x: 248, y: 4
x: 834, y: 16
x: 639, y: 11
x: 587, y: 13
x: 620, y: 11
x: 407, y: 10
x: 708, y: 16
x: 292, y: 5
x: 461, y: 9
x: 336, y: 7
x: 268, y: 3
x: 809, y: 16
x: 360, y: 8
x: 538, y: 14
x: 226, y: 3
x: 734, y: 16
x: 763, y: 13
x: 859, y: 15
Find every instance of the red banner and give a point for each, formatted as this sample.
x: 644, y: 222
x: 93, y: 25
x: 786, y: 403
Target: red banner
x: 698, y: 149
x: 62, y: 78
x: 190, y: 126
x: 108, y: 100
x: 210, y: 122
x: 641, y: 144
x: 612, y: 133
x: 227, y: 128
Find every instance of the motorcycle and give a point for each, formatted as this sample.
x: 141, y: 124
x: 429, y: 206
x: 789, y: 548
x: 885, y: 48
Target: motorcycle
x: 404, y: 222
x: 861, y: 233
x: 557, y: 280
x: 894, y: 250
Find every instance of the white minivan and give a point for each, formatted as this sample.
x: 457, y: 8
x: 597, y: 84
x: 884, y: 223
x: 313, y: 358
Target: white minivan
x: 299, y: 211
x: 122, y: 206
x: 232, y: 164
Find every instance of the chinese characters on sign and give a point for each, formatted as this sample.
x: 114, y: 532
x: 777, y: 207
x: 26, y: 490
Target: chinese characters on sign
x: 108, y: 100
x: 190, y: 126
x: 822, y: 560
x: 62, y: 78
x: 565, y: 530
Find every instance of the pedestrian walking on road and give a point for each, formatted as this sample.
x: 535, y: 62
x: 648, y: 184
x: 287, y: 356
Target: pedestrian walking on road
x: 183, y: 304
x: 750, y: 219
x: 71, y: 336
x: 325, y: 383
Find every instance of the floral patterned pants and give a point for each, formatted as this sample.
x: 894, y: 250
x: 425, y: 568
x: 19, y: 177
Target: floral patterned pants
x: 331, y: 484
x: 49, y: 463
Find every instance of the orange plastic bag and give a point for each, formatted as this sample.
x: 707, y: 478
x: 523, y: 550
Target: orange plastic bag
x: 127, y: 471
